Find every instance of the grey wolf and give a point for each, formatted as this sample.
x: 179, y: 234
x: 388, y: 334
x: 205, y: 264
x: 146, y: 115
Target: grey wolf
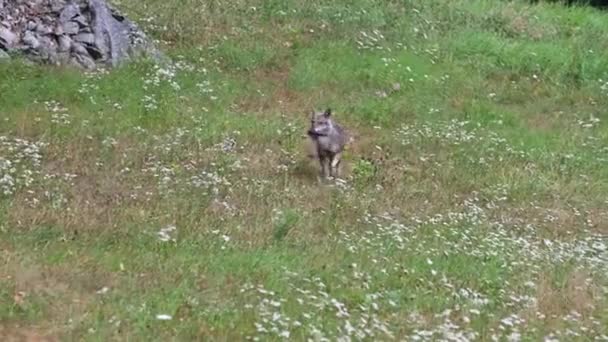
x: 329, y: 139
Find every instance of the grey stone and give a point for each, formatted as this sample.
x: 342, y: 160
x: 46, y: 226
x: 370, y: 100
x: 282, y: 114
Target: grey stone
x: 29, y: 39
x: 57, y: 6
x: 80, y: 20
x: 69, y: 12
x: 83, y: 61
x: 87, y: 33
x: 31, y: 25
x: 48, y: 44
x: 63, y: 57
x: 86, y: 38
x: 94, y: 52
x: 109, y: 36
x: 78, y: 49
x: 58, y: 31
x: 70, y: 27
x: 64, y: 43
x: 43, y: 29
x: 48, y: 54
x: 7, y: 38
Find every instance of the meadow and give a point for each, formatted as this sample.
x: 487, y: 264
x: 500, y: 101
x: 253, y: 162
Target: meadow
x: 177, y: 201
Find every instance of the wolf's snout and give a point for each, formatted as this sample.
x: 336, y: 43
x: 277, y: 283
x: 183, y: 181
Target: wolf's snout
x: 313, y: 133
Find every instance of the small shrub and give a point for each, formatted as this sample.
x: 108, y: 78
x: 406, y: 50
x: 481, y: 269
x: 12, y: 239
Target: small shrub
x: 364, y: 171
x: 284, y: 221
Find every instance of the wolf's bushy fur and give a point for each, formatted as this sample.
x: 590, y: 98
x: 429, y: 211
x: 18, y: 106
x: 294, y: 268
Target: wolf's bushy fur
x: 329, y: 139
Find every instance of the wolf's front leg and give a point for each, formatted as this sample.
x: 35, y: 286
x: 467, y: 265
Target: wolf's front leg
x: 324, y: 167
x: 335, y: 165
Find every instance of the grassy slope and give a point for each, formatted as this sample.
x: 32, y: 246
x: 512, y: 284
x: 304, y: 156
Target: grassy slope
x: 474, y: 196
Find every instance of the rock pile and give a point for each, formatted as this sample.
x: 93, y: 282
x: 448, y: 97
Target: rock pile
x: 85, y: 33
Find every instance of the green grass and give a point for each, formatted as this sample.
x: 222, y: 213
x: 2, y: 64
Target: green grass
x: 472, y: 201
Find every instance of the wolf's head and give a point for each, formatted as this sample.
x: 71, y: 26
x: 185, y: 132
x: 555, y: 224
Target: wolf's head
x: 320, y: 123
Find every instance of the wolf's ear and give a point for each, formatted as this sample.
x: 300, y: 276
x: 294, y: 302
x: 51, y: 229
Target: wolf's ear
x: 327, y: 112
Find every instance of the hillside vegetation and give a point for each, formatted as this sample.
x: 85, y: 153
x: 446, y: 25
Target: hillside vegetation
x: 177, y: 202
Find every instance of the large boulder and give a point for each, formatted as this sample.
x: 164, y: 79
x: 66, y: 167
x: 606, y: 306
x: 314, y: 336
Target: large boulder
x: 85, y: 33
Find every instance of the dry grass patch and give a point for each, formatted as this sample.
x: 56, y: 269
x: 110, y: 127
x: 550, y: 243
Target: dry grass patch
x: 578, y: 296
